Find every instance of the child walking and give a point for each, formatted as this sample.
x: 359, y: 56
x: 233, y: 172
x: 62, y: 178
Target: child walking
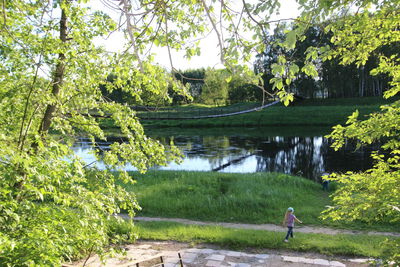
x: 289, y: 222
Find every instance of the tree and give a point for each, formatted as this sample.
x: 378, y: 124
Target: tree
x: 371, y: 196
x: 215, y: 88
x: 355, y: 38
x: 351, y: 80
x: 334, y: 79
x: 269, y: 56
x: 54, y: 207
x: 241, y: 91
x: 194, y: 79
x: 242, y: 86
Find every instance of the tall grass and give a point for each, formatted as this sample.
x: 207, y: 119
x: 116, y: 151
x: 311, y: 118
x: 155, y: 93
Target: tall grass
x: 257, y: 198
x: 232, y: 197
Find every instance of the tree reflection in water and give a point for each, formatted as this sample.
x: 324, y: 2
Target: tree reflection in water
x: 239, y: 151
x: 304, y: 156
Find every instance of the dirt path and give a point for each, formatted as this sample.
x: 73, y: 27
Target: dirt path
x: 267, y: 227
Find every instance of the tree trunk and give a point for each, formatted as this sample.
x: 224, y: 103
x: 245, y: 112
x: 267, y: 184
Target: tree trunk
x: 380, y: 87
x: 57, y: 77
x: 361, y: 82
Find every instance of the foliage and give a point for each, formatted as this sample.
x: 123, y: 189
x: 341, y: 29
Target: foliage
x: 50, y: 77
x: 243, y: 87
x: 192, y: 78
x: 215, y: 88
x: 240, y: 91
x: 143, y: 97
x: 391, y: 252
x: 371, y: 196
x: 53, y: 207
x: 333, y: 79
x: 270, y: 56
x: 364, y: 191
x: 382, y: 126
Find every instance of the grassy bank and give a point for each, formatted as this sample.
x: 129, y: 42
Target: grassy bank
x: 309, y: 112
x: 273, y: 116
x: 232, y: 197
x: 351, y: 245
x: 312, y: 112
x: 249, y: 132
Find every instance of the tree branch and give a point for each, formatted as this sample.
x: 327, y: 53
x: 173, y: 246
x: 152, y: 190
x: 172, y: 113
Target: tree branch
x: 220, y: 41
x: 126, y: 8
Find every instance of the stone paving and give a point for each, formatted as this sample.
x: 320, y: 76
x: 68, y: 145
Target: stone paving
x: 224, y: 258
x: 148, y: 253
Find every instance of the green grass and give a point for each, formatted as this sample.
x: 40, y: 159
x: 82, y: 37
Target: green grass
x: 275, y: 116
x: 232, y: 197
x: 351, y: 101
x: 194, y: 107
x: 310, y: 112
x: 351, y: 245
x: 252, y: 132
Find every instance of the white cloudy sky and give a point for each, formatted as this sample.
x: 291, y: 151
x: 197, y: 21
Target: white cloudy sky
x: 209, y: 49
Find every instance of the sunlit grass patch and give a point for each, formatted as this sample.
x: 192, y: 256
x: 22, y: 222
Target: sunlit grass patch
x: 351, y: 245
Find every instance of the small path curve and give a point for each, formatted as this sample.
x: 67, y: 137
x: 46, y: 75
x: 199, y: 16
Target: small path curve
x: 267, y: 227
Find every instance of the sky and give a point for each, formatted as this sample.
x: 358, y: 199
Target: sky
x: 209, y: 46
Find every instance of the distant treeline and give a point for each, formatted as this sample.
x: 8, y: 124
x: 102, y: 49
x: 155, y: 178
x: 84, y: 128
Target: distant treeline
x: 334, y: 79
x: 222, y: 86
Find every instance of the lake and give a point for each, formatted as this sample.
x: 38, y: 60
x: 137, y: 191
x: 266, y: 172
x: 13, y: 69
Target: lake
x: 302, y: 151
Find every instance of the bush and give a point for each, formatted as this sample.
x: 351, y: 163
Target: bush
x: 46, y: 228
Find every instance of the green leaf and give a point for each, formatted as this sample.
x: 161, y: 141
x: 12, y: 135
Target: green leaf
x: 291, y: 38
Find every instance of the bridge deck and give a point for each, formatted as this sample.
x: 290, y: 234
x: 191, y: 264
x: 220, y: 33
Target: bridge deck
x: 176, y: 115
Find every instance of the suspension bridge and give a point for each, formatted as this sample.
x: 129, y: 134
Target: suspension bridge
x: 192, y: 114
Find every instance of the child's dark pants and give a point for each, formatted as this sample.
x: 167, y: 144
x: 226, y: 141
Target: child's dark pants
x: 289, y: 232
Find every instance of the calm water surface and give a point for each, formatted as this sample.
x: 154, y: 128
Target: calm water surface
x: 300, y: 151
